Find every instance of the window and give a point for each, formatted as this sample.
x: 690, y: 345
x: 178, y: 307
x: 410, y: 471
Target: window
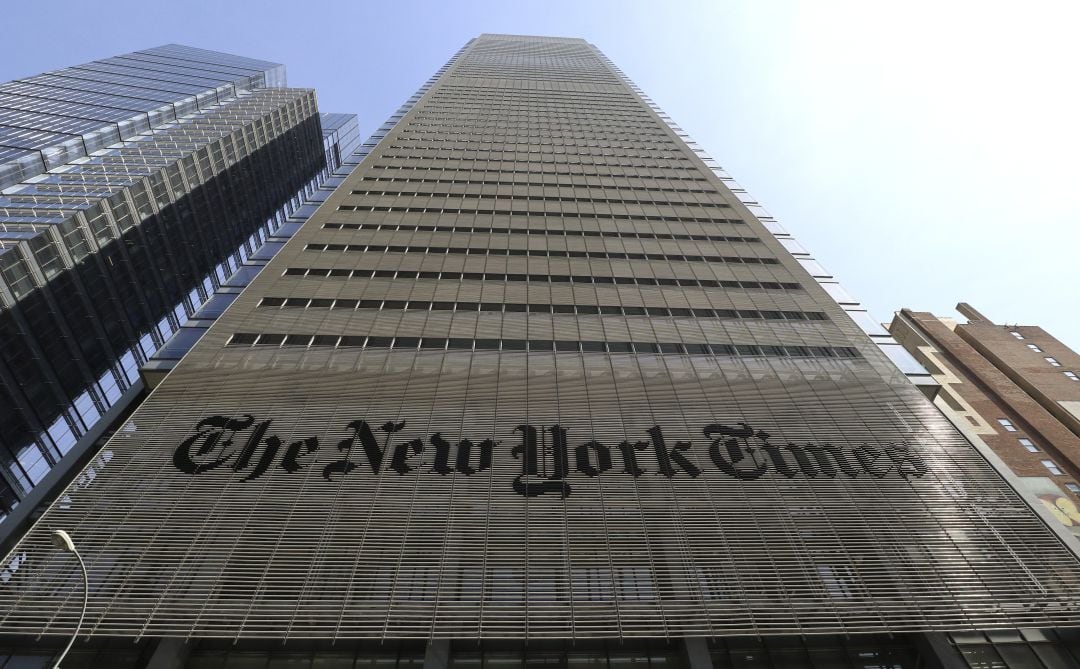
x: 1035, y: 348
x: 1053, y: 361
x: 1072, y: 376
x: 1052, y: 466
x: 1007, y: 424
x: 1029, y: 445
x: 1017, y: 335
x: 1074, y: 488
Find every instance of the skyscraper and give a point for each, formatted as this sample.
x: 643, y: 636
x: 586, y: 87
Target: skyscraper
x: 535, y: 374
x: 133, y: 188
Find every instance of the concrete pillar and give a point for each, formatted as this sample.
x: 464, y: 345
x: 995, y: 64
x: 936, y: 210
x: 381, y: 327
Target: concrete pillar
x: 437, y: 655
x: 171, y: 653
x: 696, y: 652
x: 936, y: 646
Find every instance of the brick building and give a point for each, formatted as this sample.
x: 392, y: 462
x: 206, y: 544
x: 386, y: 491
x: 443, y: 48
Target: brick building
x: 1016, y: 388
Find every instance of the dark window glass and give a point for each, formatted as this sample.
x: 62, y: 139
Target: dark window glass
x: 566, y: 346
x: 297, y: 340
x: 645, y: 347
x: 588, y: 309
x: 619, y: 347
x: 611, y: 310
x: 272, y: 302
x: 748, y: 349
x: 393, y: 304
x: 442, y: 306
x: 722, y: 349
x: 320, y: 303
x: 270, y: 339
x: 672, y: 348
x: 516, y: 307
x: 657, y: 311
x: 384, y: 274
x: 697, y: 349
x: 593, y: 346
x: 487, y: 344
x: 541, y: 345
x: 513, y: 344
x: 464, y: 344
x: 634, y: 311
x: 352, y: 341
x: 563, y: 308
x: 345, y: 304
x: 490, y: 306
x: 704, y: 313
x: 242, y: 339
x: 324, y: 340
x: 378, y: 342
x: 406, y: 342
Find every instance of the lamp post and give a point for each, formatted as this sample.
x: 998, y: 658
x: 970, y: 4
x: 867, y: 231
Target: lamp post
x: 62, y: 540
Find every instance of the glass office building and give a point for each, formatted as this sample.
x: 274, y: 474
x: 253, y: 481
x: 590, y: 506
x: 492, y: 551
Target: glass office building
x: 536, y: 385
x: 133, y: 188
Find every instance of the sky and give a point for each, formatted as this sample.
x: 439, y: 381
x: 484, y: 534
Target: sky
x: 925, y: 152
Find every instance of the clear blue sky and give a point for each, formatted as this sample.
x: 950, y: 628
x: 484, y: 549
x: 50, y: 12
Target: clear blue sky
x: 927, y: 153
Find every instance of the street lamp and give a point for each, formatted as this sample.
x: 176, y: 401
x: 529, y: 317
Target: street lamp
x: 62, y: 540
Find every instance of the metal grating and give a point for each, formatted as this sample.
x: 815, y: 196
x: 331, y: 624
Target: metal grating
x: 307, y: 491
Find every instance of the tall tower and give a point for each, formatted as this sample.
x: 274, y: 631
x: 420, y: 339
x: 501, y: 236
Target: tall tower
x: 533, y: 372
x: 133, y: 188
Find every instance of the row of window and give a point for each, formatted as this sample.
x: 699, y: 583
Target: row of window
x: 443, y: 119
x: 1053, y: 362
x: 541, y: 198
x: 534, y: 308
x: 499, y: 134
x: 533, y: 172
x: 471, y: 156
x: 538, y: 253
x: 538, y: 184
x: 1030, y: 447
x: 666, y: 160
x: 536, y: 345
x: 537, y: 278
x: 557, y: 232
x: 549, y: 214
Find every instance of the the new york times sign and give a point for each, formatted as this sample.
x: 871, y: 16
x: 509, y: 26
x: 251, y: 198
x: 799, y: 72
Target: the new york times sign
x: 548, y: 455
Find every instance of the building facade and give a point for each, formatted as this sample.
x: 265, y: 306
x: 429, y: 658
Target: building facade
x: 1016, y: 388
x: 535, y: 385
x: 134, y: 189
